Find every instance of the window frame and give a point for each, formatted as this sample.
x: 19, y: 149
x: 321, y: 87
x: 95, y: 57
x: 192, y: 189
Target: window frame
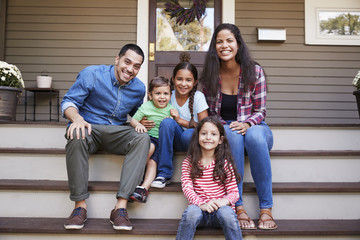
x: 312, y: 22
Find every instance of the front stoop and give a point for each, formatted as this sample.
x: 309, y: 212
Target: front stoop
x: 316, y: 188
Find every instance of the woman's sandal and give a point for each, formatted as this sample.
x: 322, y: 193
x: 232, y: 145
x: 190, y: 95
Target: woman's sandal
x: 267, y: 212
x: 238, y: 213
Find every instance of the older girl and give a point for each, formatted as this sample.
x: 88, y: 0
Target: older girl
x: 190, y: 107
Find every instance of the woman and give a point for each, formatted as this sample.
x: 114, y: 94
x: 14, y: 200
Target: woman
x: 235, y: 89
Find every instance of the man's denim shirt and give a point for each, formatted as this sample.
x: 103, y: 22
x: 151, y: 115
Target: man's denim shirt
x: 100, y: 99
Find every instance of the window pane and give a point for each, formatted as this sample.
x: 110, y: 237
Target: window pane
x: 194, y: 36
x: 339, y: 23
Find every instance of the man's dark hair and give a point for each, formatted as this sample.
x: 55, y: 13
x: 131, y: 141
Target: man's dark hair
x: 132, y: 47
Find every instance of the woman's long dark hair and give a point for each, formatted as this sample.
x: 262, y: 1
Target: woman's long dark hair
x: 222, y: 152
x: 210, y: 74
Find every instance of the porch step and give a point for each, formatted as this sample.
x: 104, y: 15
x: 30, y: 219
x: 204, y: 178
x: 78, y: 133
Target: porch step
x: 286, y: 137
x: 311, y: 199
x: 168, y: 227
x: 287, y: 165
x: 298, y: 187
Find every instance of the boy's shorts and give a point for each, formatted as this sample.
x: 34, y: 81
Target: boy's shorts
x: 155, y: 155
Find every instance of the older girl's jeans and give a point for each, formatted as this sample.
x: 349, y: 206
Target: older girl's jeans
x: 171, y: 137
x: 194, y: 217
x: 257, y: 142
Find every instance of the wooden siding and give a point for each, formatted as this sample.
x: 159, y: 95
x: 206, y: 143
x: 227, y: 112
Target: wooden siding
x: 63, y: 37
x: 307, y: 83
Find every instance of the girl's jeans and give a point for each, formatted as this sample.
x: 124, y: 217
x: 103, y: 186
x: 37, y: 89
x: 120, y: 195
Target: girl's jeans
x: 257, y: 142
x: 172, y: 137
x: 194, y: 217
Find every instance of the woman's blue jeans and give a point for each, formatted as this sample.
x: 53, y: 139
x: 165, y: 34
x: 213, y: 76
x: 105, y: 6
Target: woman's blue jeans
x: 172, y: 137
x: 257, y: 142
x: 194, y: 217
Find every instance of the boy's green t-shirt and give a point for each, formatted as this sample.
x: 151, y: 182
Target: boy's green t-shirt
x: 153, y: 113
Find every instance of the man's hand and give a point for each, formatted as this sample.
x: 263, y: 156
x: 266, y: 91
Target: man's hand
x: 77, y: 126
x: 148, y: 124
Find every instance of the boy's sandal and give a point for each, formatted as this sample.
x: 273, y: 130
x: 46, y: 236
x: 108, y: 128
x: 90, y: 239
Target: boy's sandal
x: 238, y: 213
x: 267, y: 212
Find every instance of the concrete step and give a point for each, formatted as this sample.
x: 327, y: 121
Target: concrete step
x: 286, y: 137
x: 312, y: 200
x: 46, y: 228
x: 287, y: 166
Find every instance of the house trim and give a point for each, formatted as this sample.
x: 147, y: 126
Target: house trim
x: 2, y: 28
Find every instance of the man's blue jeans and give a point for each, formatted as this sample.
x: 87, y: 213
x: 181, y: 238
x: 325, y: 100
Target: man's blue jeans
x: 172, y: 137
x: 257, y: 142
x: 194, y: 217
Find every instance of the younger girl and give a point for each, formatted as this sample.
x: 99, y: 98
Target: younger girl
x: 209, y: 183
x: 156, y: 110
x: 190, y: 107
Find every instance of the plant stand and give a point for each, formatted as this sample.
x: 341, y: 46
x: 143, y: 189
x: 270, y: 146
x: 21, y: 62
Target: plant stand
x: 49, y: 91
x: 357, y: 95
x: 9, y: 97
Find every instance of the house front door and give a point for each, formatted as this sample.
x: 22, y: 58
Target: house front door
x: 168, y: 39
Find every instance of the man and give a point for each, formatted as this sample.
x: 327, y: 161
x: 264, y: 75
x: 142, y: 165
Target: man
x: 97, y: 106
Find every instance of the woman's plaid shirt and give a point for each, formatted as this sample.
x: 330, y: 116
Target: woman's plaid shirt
x: 251, y: 105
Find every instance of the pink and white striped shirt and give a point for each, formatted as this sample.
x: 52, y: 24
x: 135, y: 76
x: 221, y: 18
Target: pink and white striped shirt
x: 203, y: 189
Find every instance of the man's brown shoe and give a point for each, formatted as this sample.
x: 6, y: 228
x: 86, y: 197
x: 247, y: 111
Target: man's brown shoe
x: 120, y: 220
x: 76, y: 219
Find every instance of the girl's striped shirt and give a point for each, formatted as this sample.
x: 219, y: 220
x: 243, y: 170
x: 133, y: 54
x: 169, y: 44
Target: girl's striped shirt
x: 204, y: 188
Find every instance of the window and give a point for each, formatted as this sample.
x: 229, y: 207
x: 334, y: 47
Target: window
x: 332, y: 22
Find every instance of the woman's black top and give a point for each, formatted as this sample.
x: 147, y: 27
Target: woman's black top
x: 229, y: 107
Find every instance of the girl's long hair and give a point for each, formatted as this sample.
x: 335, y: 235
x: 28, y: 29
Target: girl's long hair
x: 210, y: 74
x: 222, y: 152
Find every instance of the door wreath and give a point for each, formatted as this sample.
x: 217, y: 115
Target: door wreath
x: 185, y: 15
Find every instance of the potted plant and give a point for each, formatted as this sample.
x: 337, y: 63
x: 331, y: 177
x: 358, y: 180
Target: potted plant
x: 11, y: 83
x: 356, y: 83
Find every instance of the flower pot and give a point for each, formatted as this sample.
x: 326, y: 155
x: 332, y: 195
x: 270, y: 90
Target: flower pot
x: 43, y: 81
x: 8, y: 101
x: 357, y: 95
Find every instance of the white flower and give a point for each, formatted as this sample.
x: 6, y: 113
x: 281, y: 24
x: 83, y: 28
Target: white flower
x: 356, y: 81
x: 10, y: 75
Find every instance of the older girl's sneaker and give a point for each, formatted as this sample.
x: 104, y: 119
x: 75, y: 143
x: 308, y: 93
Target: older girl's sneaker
x: 160, y: 182
x: 77, y: 219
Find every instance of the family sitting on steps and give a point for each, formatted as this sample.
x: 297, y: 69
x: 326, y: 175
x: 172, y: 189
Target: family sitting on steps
x: 233, y: 95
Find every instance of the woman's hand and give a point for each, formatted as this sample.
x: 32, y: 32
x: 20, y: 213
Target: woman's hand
x: 240, y: 127
x: 148, y: 124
